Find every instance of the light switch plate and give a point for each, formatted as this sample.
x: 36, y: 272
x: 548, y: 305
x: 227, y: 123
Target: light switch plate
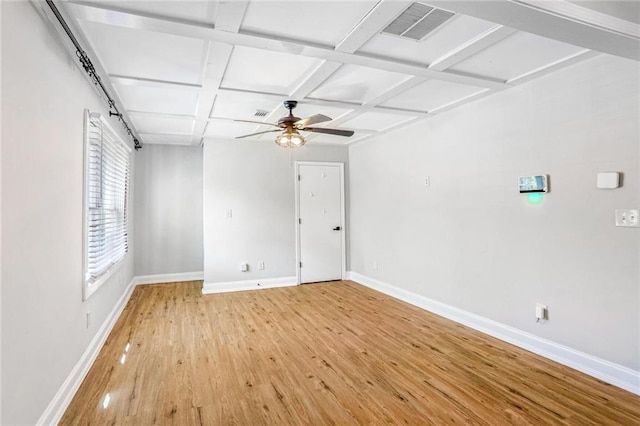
x: 627, y: 218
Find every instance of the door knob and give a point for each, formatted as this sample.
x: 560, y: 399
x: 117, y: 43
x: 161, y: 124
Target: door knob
x: 337, y: 228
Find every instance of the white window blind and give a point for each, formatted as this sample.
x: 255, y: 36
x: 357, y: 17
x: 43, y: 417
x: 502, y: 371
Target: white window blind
x: 107, y: 187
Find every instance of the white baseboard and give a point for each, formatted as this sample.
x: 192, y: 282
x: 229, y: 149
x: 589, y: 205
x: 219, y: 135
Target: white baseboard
x: 257, y: 284
x: 70, y: 386
x: 609, y: 372
x: 604, y: 370
x: 169, y: 278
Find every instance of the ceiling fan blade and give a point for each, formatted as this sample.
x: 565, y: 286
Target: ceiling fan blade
x: 259, y: 133
x: 257, y: 122
x: 314, y: 119
x: 336, y: 132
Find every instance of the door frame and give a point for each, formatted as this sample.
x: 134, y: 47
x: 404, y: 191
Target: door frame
x: 343, y: 242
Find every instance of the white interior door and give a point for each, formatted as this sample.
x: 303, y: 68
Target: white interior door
x: 320, y: 225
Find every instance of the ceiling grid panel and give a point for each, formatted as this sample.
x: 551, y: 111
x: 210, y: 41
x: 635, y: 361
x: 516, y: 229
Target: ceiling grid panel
x: 185, y: 71
x: 117, y: 18
x: 368, y: 26
x: 372, y: 24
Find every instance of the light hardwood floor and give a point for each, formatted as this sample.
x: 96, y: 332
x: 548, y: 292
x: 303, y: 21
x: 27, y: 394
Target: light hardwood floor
x: 332, y: 353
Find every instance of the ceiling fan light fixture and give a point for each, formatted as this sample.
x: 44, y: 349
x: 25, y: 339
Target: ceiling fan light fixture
x: 290, y: 139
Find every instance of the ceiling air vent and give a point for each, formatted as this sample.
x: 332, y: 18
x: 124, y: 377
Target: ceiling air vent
x: 260, y: 113
x: 417, y: 21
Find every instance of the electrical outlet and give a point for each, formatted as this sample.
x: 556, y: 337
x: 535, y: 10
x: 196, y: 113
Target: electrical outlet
x: 244, y: 267
x: 375, y: 265
x: 427, y: 181
x: 627, y: 218
x: 261, y: 265
x: 541, y: 311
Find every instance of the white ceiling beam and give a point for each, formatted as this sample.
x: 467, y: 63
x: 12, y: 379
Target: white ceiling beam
x: 262, y: 41
x: 484, y: 40
x: 396, y: 127
x: 540, y: 18
x: 125, y: 80
x: 375, y: 21
x: 403, y: 125
x: 555, y: 66
x: 161, y: 115
x: 585, y: 15
x: 215, y: 66
x: 335, y: 104
x: 425, y: 115
x: 458, y: 102
x: 229, y: 17
x: 187, y: 135
x: 387, y: 64
x: 316, y: 78
x: 430, y: 114
x: 394, y: 91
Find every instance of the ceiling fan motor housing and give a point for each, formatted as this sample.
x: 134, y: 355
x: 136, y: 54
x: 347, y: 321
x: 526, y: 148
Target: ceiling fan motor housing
x: 290, y: 104
x: 286, y: 122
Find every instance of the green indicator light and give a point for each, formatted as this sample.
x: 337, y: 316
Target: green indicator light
x: 534, y: 197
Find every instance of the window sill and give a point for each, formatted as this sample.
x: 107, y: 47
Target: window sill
x: 90, y: 288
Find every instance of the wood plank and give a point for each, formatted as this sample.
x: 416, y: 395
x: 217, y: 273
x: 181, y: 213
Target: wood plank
x: 332, y: 353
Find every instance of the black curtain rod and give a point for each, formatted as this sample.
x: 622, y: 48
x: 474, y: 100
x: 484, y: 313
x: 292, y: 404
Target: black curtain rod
x: 90, y: 69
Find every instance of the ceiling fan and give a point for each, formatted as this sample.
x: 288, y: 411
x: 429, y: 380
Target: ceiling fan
x: 289, y: 127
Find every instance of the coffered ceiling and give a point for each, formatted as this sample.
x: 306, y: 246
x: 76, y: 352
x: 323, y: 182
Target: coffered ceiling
x: 184, y: 71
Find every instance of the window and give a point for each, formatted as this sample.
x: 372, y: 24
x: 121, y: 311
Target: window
x: 107, y: 169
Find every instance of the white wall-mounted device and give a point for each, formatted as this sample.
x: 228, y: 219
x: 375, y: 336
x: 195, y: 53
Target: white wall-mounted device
x: 244, y: 267
x: 537, y: 183
x: 541, y: 312
x: 608, y: 180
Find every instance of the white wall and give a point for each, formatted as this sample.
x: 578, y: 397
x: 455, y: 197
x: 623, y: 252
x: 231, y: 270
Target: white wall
x: 256, y: 181
x: 472, y: 241
x: 43, y: 315
x: 168, y: 205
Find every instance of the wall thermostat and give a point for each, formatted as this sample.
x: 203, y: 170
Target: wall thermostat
x: 528, y: 184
